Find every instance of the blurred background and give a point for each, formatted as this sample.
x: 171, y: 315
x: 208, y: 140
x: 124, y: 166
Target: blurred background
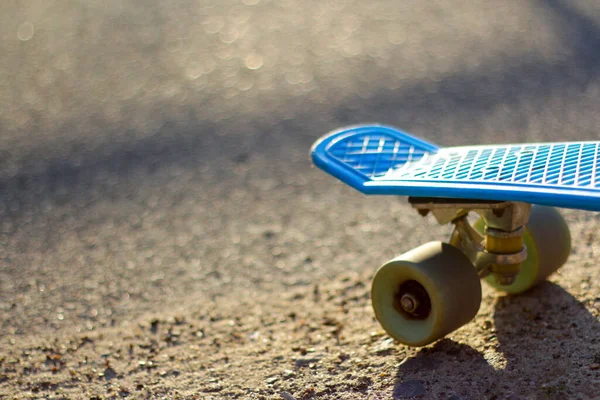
x: 155, y: 153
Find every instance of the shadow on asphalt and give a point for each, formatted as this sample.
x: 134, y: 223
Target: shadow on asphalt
x: 544, y: 336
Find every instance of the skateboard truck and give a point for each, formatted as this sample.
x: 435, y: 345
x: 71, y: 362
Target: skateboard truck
x: 499, y: 250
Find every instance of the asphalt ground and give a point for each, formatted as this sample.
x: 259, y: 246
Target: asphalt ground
x: 154, y: 156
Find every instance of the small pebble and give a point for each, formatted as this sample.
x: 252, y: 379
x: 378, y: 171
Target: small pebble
x: 362, y: 383
x: 384, y: 347
x: 288, y: 373
x: 272, y: 379
x: 213, y: 387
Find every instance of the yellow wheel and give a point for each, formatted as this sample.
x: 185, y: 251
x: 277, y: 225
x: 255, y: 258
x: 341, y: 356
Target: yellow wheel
x: 426, y: 293
x: 548, y: 243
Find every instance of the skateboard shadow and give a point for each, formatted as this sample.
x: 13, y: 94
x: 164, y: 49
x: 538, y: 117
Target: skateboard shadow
x: 542, y: 345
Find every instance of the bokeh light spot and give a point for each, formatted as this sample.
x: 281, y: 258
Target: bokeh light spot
x: 26, y: 31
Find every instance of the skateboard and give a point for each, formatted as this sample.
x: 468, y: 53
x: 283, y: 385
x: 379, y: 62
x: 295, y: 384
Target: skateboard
x: 517, y: 239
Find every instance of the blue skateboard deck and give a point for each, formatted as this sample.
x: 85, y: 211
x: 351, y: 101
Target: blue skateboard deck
x: 381, y: 160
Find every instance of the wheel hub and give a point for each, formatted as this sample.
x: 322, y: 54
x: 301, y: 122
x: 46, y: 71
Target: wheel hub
x: 412, y: 300
x: 409, y: 303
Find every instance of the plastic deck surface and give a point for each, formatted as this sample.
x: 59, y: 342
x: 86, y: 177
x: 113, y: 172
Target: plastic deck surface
x: 382, y: 160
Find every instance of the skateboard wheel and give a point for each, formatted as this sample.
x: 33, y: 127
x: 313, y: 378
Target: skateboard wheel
x: 548, y: 243
x: 426, y: 293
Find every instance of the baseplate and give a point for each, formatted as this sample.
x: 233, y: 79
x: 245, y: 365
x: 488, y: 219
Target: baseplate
x: 376, y: 159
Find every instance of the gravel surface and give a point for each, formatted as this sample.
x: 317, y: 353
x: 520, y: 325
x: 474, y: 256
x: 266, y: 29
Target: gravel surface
x: 162, y: 231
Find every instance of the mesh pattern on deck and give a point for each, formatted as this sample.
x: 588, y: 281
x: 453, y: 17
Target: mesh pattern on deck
x: 374, y: 155
x: 384, y: 158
